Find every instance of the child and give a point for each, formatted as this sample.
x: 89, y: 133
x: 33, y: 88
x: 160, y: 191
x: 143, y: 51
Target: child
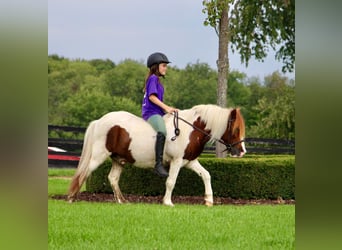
x: 153, y: 107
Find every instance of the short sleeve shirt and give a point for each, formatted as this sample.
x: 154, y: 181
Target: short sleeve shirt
x: 153, y: 87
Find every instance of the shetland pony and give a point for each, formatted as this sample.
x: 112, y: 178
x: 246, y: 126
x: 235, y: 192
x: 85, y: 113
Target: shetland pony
x: 127, y: 138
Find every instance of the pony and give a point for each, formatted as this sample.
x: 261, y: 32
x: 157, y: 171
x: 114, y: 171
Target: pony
x: 127, y: 138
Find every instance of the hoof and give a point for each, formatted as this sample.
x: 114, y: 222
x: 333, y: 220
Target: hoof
x: 209, y: 204
x: 120, y: 201
x: 70, y: 199
x: 169, y: 204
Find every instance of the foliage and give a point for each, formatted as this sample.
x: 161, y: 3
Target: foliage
x: 126, y: 80
x: 256, y: 26
x: 247, y: 178
x: 81, y: 91
x: 102, y: 65
x: 276, y: 110
x: 85, y: 106
x: 194, y: 85
x: 238, y: 94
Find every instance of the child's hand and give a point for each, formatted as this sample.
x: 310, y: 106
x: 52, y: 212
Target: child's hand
x: 171, y: 110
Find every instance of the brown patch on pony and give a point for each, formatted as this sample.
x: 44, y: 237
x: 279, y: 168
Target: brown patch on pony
x: 239, y: 123
x: 118, y: 142
x: 197, y: 141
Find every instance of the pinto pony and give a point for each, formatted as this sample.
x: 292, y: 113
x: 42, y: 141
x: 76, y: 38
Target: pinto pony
x: 127, y: 138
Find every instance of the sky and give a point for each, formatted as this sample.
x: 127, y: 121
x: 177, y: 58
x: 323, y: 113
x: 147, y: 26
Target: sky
x: 133, y: 29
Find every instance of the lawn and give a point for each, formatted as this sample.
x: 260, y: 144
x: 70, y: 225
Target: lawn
x: 84, y: 225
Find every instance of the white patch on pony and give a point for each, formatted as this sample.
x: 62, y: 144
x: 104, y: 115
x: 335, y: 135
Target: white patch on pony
x: 177, y: 147
x: 243, y: 147
x: 141, y: 133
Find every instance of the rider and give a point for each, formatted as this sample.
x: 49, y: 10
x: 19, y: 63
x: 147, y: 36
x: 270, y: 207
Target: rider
x: 153, y: 107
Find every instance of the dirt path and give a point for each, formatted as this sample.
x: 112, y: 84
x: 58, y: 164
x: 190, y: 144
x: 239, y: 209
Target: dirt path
x: 91, y: 197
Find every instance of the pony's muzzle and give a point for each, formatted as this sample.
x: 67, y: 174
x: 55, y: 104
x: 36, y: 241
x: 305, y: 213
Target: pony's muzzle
x: 237, y: 153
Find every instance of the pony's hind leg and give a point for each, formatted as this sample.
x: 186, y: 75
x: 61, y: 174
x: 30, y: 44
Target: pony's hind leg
x: 74, y: 187
x: 114, y: 177
x: 83, y: 171
x: 201, y: 171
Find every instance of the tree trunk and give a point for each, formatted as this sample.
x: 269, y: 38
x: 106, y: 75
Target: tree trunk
x: 223, y: 69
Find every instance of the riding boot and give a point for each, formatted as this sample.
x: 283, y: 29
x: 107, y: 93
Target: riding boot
x: 159, y: 150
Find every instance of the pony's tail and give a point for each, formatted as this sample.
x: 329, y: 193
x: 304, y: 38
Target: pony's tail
x: 82, y: 169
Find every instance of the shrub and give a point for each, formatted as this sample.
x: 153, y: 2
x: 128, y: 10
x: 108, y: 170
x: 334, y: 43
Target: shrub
x: 253, y: 177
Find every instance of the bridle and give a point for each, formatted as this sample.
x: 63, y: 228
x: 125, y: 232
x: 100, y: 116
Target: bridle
x: 229, y: 146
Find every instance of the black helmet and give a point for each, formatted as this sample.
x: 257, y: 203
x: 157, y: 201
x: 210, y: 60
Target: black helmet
x: 156, y: 58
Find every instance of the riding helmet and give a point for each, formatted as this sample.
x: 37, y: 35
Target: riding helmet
x: 156, y: 58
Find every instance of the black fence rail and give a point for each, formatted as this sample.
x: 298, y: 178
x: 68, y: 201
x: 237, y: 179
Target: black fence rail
x: 73, y: 146
x: 269, y: 146
x: 263, y: 146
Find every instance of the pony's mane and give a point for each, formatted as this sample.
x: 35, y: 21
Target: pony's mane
x: 214, y: 117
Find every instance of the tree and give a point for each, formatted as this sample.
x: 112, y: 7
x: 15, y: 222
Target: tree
x: 218, y: 18
x: 239, y: 93
x: 275, y: 109
x: 250, y: 29
x: 257, y: 25
x: 192, y: 86
x: 257, y: 91
x: 127, y: 80
x: 102, y: 65
x: 277, y: 117
x: 87, y: 105
x: 84, y: 107
x: 65, y: 79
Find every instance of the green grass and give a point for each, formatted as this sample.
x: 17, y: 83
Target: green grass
x: 52, y: 172
x: 144, y: 226
x: 84, y: 225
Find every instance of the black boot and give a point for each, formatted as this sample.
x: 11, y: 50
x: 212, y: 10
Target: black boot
x: 159, y: 149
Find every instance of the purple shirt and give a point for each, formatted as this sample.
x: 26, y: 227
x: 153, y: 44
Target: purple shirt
x: 153, y: 86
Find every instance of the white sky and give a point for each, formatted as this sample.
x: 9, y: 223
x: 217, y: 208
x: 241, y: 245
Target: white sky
x: 117, y: 30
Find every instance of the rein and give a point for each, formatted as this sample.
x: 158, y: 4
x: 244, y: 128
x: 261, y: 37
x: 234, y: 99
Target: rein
x: 229, y: 147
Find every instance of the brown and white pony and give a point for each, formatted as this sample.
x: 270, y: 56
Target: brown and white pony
x: 127, y: 138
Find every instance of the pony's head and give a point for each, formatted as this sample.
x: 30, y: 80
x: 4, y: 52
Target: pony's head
x: 234, y: 135
x: 224, y: 125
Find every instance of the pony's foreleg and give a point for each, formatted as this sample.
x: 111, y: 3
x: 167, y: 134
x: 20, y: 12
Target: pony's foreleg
x: 201, y: 171
x: 175, y: 166
x: 114, y: 177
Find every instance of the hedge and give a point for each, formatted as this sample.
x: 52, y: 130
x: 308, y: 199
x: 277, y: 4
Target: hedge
x: 254, y: 177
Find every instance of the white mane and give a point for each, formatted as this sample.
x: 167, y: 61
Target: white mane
x: 215, y: 117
